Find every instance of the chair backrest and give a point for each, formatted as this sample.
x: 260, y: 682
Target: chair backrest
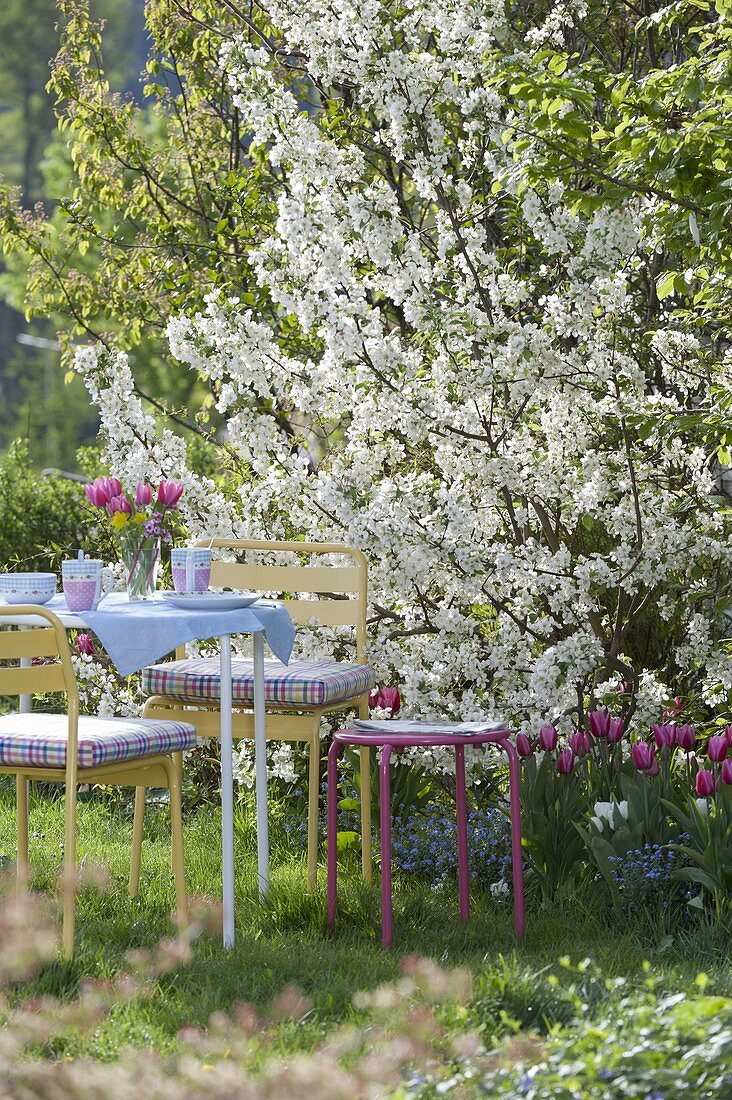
x: 42, y: 642
x: 343, y: 589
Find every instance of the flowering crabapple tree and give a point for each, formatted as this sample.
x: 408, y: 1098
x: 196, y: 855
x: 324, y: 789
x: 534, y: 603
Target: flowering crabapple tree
x: 458, y: 370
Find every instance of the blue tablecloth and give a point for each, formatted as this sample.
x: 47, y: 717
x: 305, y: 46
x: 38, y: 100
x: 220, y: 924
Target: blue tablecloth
x: 137, y: 634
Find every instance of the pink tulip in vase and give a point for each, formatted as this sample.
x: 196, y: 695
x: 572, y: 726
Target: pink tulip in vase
x: 139, y: 525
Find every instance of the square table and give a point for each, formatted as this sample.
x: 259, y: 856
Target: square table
x: 136, y: 634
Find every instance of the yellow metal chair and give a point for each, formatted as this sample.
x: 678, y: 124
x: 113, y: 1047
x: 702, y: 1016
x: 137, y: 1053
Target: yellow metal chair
x: 297, y: 695
x: 71, y: 748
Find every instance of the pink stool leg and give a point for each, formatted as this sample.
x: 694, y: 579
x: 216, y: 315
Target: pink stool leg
x: 332, y: 831
x: 514, y: 779
x: 385, y: 817
x: 462, y: 833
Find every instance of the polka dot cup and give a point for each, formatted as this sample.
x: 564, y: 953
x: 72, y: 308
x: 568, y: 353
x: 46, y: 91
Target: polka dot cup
x: 191, y: 569
x: 85, y: 582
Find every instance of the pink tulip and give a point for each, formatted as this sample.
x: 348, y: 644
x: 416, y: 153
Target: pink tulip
x: 686, y: 736
x: 143, y: 494
x: 615, y: 729
x: 97, y: 493
x: 642, y: 754
x: 565, y: 762
x: 726, y: 774
x: 112, y: 485
x: 119, y: 504
x: 170, y: 492
x: 665, y: 734
x: 704, y: 783
x: 655, y: 767
x: 717, y: 747
x: 599, y: 722
x: 728, y: 734
x: 523, y: 745
x: 84, y: 644
x: 548, y: 738
x: 579, y: 743
x: 386, y: 698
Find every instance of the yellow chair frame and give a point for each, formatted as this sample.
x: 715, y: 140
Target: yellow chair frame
x: 150, y: 771
x: 346, y: 592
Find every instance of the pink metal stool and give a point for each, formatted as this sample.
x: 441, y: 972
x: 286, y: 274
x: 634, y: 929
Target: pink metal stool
x: 397, y: 742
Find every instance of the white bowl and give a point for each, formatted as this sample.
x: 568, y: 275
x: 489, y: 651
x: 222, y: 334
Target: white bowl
x: 27, y: 597
x: 27, y: 587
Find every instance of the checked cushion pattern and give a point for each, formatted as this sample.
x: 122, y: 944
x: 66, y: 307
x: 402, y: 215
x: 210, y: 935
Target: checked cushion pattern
x: 38, y: 740
x: 301, y: 683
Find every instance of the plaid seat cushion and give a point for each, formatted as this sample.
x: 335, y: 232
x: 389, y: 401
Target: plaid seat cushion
x: 38, y: 740
x: 301, y: 683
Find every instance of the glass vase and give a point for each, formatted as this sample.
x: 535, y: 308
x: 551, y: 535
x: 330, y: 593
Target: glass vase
x: 141, y: 564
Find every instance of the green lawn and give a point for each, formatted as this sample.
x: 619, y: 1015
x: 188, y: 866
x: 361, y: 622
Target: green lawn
x: 283, y: 942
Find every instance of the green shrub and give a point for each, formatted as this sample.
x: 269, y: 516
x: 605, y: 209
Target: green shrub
x: 646, y: 1044
x: 41, y: 518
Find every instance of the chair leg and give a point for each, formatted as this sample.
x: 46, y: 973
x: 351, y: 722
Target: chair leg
x: 178, y: 761
x: 137, y: 833
x: 365, y: 774
x: 313, y: 797
x: 69, y: 873
x: 176, y: 841
x: 21, y: 793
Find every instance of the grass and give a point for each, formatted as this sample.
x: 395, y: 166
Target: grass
x: 283, y: 941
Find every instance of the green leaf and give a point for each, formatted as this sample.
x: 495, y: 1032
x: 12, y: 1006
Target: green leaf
x: 666, y: 286
x: 695, y: 874
x: 347, y: 840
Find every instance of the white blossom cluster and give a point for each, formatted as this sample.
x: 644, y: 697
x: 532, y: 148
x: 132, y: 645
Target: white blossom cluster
x: 101, y: 692
x: 280, y: 763
x: 137, y: 450
x: 470, y: 377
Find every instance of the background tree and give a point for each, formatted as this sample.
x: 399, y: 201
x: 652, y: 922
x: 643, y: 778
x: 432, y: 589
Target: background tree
x: 164, y: 202
x: 28, y: 40
x: 35, y: 402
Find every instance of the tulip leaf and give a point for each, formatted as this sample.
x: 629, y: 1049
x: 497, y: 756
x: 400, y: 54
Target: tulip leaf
x: 695, y: 874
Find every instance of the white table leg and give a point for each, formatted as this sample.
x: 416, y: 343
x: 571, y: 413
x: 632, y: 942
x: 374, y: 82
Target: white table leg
x: 260, y: 757
x: 227, y: 792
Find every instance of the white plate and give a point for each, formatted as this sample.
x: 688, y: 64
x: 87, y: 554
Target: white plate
x: 27, y: 597
x: 211, y: 601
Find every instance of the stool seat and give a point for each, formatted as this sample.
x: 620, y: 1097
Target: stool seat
x: 389, y: 742
x: 354, y: 736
